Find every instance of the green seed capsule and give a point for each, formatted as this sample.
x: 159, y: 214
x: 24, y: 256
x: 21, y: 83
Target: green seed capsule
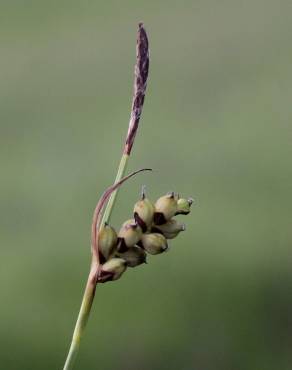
x: 107, y: 241
x: 165, y: 208
x: 112, y: 270
x: 134, y: 256
x: 170, y: 229
x: 184, y: 206
x: 143, y: 213
x: 154, y: 243
x: 129, y: 235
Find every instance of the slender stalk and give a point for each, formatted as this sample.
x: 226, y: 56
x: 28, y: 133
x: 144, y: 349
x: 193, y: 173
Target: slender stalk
x: 110, y: 196
x: 121, y: 171
x: 81, y: 322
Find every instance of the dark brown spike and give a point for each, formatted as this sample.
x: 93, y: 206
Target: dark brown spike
x: 140, y: 84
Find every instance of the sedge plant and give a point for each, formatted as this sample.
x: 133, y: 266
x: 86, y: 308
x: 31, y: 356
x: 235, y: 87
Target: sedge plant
x: 147, y: 232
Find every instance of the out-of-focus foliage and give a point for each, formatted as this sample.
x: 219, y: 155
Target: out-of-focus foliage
x: 216, y: 125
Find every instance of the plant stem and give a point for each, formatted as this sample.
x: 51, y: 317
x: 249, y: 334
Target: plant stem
x: 112, y: 200
x: 81, y: 320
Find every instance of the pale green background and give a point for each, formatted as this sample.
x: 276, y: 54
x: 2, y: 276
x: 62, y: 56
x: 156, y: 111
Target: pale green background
x: 216, y: 125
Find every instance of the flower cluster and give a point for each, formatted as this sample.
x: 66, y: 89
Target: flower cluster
x: 147, y: 232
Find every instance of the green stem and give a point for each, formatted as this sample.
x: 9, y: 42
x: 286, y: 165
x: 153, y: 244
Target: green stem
x: 81, y: 320
x: 112, y: 199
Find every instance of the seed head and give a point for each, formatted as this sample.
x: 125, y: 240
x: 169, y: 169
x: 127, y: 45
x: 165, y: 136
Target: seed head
x: 170, y: 229
x: 154, y: 243
x: 112, y: 270
x: 129, y: 235
x: 144, y: 212
x: 107, y: 241
x: 184, y: 206
x: 165, y: 208
x: 134, y: 256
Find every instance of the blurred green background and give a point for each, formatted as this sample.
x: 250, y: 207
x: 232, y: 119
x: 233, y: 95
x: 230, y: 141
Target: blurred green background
x: 216, y: 125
